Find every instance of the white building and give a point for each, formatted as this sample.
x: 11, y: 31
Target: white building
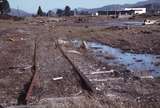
x: 137, y: 10
x: 95, y: 14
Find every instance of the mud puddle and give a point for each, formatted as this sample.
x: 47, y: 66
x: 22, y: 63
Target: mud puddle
x: 121, y: 23
x: 147, y: 63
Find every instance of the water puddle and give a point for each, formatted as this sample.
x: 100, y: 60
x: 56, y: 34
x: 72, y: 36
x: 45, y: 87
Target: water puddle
x: 134, y: 62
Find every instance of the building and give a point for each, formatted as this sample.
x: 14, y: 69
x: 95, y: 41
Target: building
x: 95, y: 14
x: 84, y: 13
x: 51, y: 13
x: 153, y: 12
x: 116, y: 13
x: 136, y: 10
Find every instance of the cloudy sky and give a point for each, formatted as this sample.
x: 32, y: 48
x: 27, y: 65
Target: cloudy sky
x: 32, y: 5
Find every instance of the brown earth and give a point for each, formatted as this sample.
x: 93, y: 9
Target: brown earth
x: 19, y: 55
x: 139, y: 39
x: 29, y: 48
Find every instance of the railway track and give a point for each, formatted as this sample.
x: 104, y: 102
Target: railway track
x: 50, y: 62
x: 85, y: 83
x: 36, y: 80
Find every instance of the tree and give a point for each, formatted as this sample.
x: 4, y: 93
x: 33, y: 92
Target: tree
x: 50, y: 13
x: 67, y: 11
x: 4, y: 7
x: 59, y: 12
x: 40, y: 12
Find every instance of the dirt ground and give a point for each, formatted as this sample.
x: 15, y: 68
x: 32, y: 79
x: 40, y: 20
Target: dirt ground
x: 118, y: 88
x: 29, y: 46
x: 23, y: 46
x: 139, y: 39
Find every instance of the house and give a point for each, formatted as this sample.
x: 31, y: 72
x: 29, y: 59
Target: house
x: 136, y: 10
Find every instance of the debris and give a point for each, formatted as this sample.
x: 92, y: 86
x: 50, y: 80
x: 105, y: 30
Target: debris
x: 58, y: 78
x: 147, y: 77
x: 110, y: 95
x: 11, y: 39
x: 157, y: 64
x: 109, y: 57
x: 21, y: 68
x: 104, y: 68
x: 101, y: 72
x: 41, y: 21
x: 20, y: 72
x: 78, y: 93
x: 158, y: 57
x: 13, y: 67
x: 135, y: 78
x: 73, y: 51
x: 84, y: 45
x: 148, y: 22
x: 98, y: 70
x: 97, y: 88
x: 139, y: 60
x: 70, y: 31
x: 113, y: 96
x: 62, y: 41
x: 146, y: 32
x: 54, y: 19
x: 57, y: 58
x: 82, y: 20
x: 22, y: 38
x: 28, y: 67
x: 100, y: 87
x: 108, y: 79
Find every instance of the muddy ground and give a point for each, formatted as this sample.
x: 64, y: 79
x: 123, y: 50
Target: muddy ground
x: 30, y: 46
x: 139, y: 39
x: 115, y: 86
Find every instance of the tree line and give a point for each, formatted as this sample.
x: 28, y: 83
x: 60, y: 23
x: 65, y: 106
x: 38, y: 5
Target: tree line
x: 5, y: 9
x: 66, y: 12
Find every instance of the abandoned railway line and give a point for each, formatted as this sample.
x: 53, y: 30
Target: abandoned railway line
x: 80, y: 80
x: 52, y: 75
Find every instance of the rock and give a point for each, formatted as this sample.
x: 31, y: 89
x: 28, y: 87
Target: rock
x: 11, y: 39
x: 57, y: 78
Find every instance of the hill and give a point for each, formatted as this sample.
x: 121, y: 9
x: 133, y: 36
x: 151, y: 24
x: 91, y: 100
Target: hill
x: 149, y: 4
x: 20, y: 13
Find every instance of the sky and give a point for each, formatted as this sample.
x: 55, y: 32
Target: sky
x: 31, y: 6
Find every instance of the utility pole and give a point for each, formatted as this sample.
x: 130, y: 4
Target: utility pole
x: 107, y: 11
x: 75, y: 12
x: 18, y: 11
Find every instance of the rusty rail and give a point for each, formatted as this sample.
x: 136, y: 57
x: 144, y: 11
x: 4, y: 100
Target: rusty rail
x: 86, y: 84
x: 35, y: 79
